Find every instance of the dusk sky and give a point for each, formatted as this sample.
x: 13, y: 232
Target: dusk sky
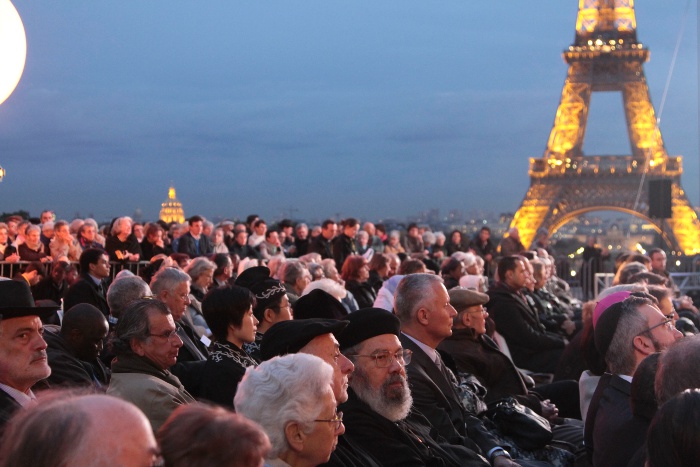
x: 368, y: 108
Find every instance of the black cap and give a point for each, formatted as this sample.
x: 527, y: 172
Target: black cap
x: 16, y: 301
x: 367, y: 323
x: 288, y: 337
x: 606, y: 326
x: 319, y: 304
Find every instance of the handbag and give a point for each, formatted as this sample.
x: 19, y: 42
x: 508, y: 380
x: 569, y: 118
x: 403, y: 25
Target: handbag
x: 528, y: 429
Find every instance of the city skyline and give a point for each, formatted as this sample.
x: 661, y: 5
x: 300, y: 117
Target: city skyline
x: 375, y: 110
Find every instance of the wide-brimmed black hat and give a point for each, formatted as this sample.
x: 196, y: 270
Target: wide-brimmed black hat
x: 290, y: 336
x: 16, y: 301
x: 319, y: 304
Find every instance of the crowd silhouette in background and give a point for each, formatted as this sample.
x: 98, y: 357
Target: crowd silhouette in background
x: 343, y: 344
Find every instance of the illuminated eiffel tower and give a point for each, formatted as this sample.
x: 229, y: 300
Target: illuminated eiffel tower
x: 564, y: 183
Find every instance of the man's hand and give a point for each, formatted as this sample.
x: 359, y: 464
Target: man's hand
x: 503, y: 461
x: 568, y: 326
x: 549, y: 410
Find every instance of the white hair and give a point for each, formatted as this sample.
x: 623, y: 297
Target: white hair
x: 468, y: 258
x: 327, y: 285
x: 283, y: 390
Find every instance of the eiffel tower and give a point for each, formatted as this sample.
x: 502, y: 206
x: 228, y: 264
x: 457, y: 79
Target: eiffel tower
x: 564, y: 183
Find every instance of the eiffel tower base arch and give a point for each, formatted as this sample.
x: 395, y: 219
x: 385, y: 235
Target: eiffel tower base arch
x: 549, y: 204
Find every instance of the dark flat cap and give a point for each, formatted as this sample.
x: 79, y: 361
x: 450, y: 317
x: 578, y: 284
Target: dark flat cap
x: 461, y: 298
x: 16, y: 301
x: 367, y: 323
x: 319, y: 304
x: 288, y: 337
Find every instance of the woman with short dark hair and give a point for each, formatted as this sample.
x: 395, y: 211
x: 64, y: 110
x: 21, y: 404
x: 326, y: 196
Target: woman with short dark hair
x: 355, y: 273
x: 229, y: 314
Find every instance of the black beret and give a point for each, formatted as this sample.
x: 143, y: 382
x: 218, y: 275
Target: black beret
x: 288, y: 337
x: 265, y: 288
x: 606, y: 326
x: 319, y: 304
x: 367, y: 323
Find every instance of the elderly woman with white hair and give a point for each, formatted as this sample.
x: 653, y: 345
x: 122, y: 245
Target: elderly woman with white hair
x: 291, y: 397
x: 201, y: 270
x: 121, y: 245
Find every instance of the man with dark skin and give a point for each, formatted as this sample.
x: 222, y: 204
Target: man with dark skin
x: 74, y: 347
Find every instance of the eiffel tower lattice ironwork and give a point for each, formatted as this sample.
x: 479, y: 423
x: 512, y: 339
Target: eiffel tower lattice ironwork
x: 564, y: 183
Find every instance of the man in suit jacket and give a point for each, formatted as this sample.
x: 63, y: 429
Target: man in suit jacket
x: 626, y: 333
x: 22, y: 349
x: 194, y: 243
x: 422, y: 304
x: 92, y: 286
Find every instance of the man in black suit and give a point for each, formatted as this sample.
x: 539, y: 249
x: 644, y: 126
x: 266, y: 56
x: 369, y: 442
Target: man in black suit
x: 626, y: 333
x: 194, y: 243
x: 92, y: 286
x: 531, y: 347
x: 422, y: 304
x: 321, y: 244
x: 22, y: 349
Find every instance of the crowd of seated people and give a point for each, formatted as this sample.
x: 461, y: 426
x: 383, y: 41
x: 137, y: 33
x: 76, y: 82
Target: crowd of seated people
x: 411, y: 348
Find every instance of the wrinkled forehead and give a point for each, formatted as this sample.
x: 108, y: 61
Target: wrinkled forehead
x: 388, y: 342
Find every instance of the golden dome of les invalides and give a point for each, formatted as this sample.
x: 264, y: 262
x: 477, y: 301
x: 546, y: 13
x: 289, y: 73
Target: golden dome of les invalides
x: 171, y: 210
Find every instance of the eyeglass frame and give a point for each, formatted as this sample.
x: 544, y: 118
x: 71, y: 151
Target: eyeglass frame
x: 669, y: 319
x: 403, y: 359
x: 167, y: 335
x: 338, y: 419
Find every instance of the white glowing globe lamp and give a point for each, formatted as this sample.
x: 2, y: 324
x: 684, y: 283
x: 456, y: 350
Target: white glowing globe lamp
x: 13, y: 49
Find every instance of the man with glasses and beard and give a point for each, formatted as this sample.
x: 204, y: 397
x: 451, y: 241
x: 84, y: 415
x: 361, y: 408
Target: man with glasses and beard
x: 378, y: 411
x: 625, y: 334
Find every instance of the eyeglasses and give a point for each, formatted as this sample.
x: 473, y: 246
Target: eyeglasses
x: 481, y: 310
x: 170, y: 336
x: 667, y: 323
x: 338, y: 420
x: 383, y: 358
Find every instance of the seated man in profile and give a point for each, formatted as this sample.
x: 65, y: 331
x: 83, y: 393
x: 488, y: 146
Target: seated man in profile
x: 146, y: 344
x: 65, y: 429
x: 74, y: 347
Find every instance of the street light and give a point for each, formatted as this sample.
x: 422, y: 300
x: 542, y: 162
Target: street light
x: 13, y: 52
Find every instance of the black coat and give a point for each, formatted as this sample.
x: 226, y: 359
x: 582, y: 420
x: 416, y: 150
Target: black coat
x: 320, y: 245
x: 363, y: 293
x: 222, y: 373
x: 8, y: 407
x: 612, y: 433
x: 187, y: 245
x: 530, y: 345
x: 342, y: 247
x: 405, y: 443
x: 86, y: 291
x: 68, y: 370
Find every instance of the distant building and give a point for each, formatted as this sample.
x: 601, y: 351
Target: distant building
x: 172, y: 208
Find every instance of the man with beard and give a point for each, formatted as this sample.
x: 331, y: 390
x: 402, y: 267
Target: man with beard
x: 378, y: 411
x: 319, y: 337
x: 22, y: 349
x: 625, y: 334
